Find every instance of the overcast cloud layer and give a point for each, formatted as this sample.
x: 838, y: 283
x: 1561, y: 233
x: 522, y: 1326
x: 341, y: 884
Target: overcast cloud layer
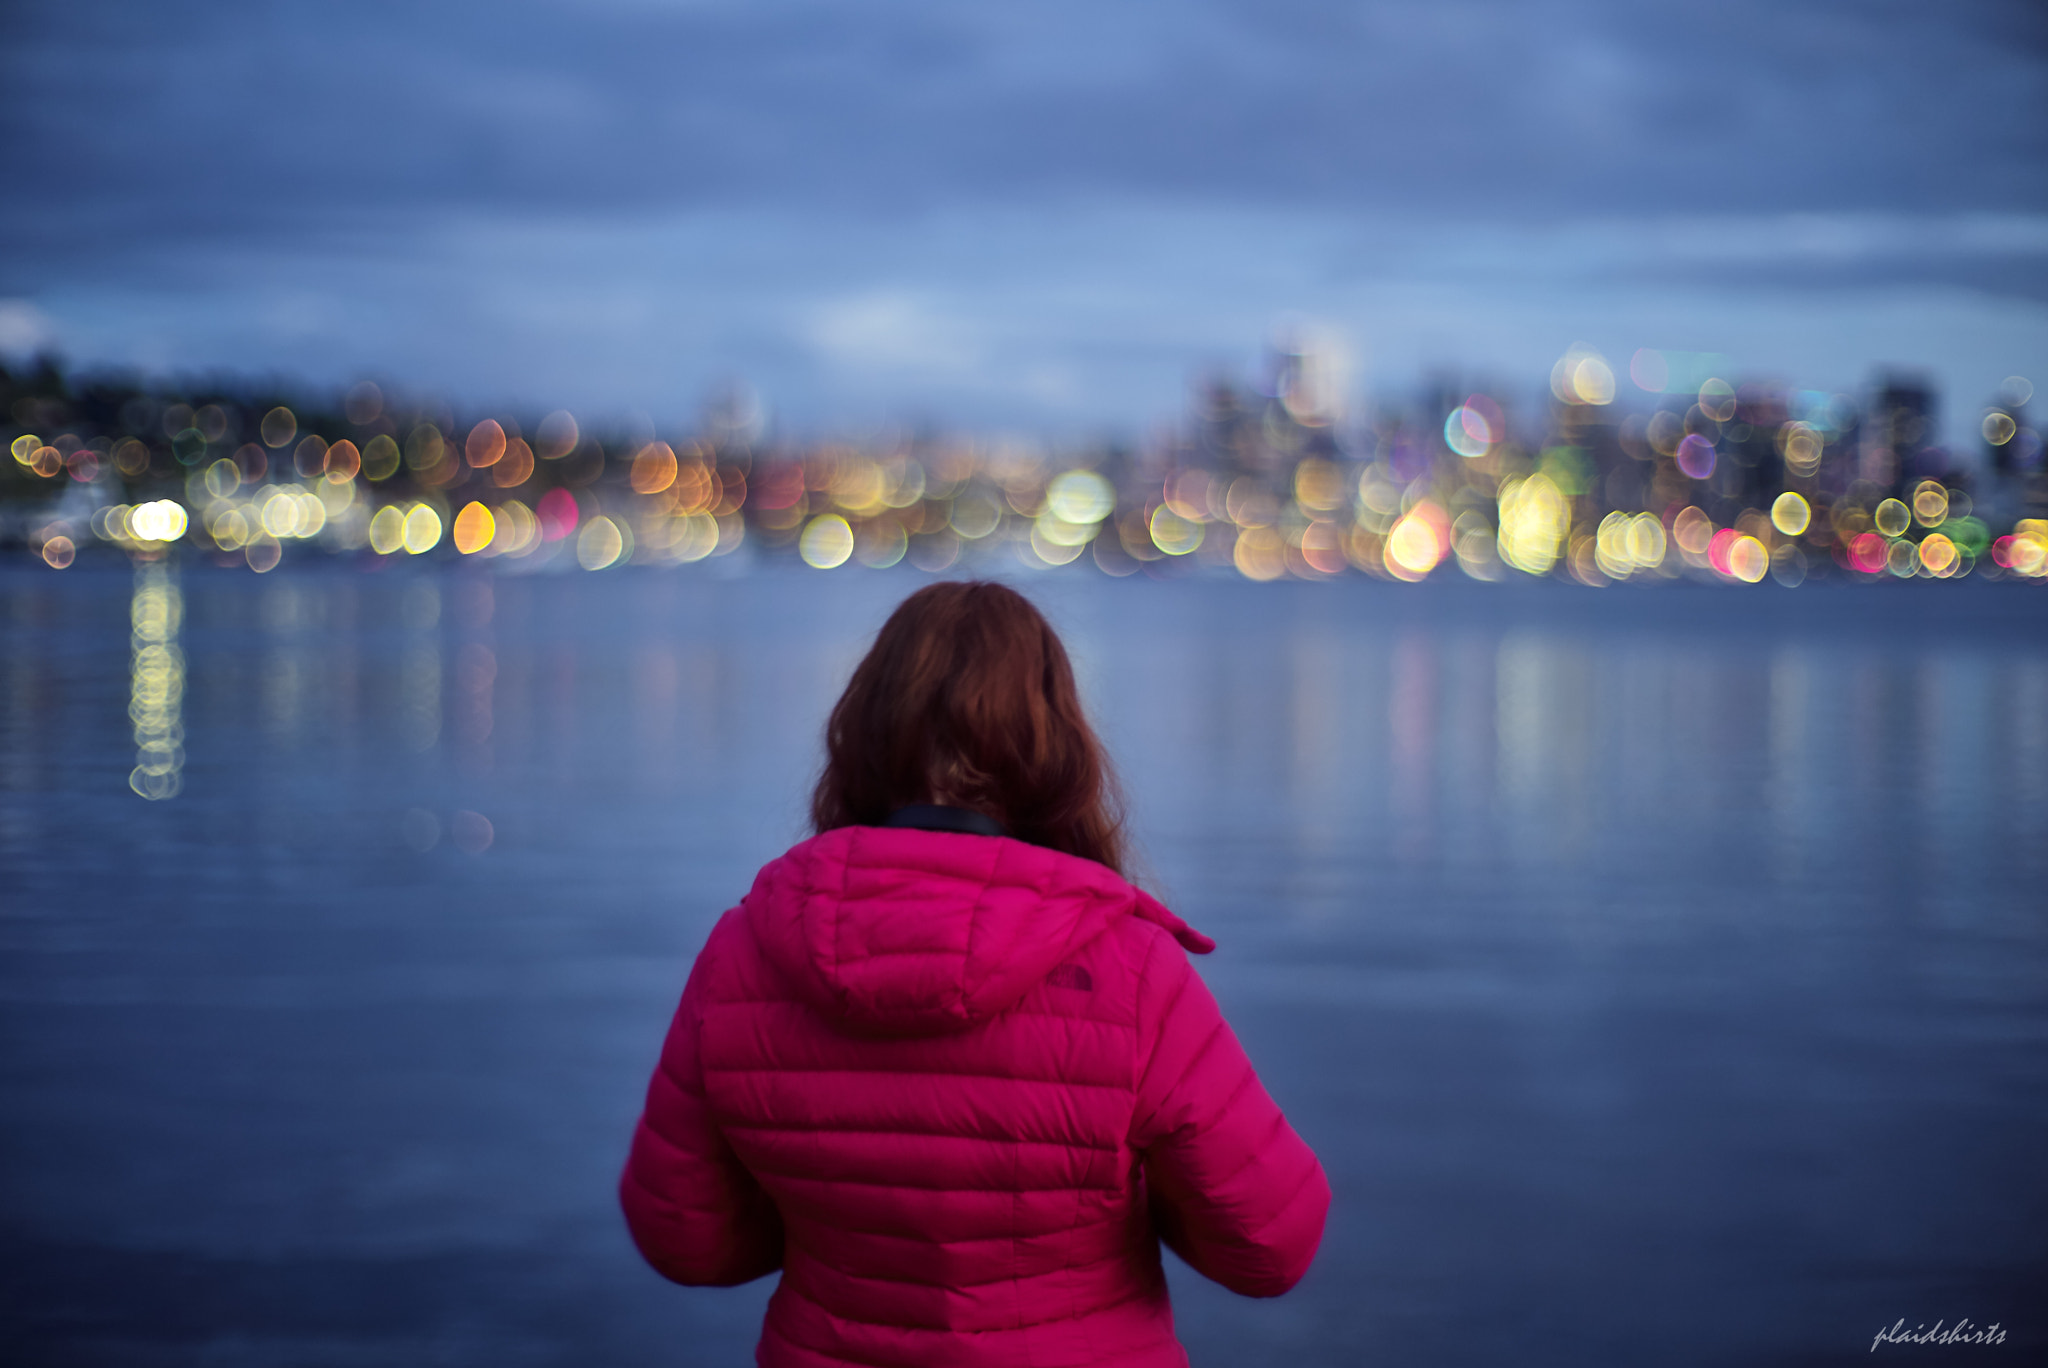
x: 1046, y: 217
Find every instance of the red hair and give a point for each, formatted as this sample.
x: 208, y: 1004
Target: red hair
x: 967, y: 699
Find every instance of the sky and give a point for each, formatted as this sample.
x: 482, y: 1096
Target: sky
x: 1049, y: 219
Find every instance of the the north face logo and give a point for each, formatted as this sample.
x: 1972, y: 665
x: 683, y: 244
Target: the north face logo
x: 1071, y: 976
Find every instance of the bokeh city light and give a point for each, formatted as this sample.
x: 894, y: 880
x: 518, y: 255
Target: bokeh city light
x: 1651, y: 471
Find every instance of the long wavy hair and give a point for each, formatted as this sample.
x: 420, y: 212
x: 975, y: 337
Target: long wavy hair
x: 967, y: 699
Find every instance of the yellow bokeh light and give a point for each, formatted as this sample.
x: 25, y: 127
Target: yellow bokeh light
x: 1080, y: 497
x: 975, y: 515
x: 692, y: 537
x: 1999, y: 428
x: 515, y: 467
x: 336, y: 496
x: 263, y: 553
x: 1791, y: 514
x: 1055, y: 530
x: 694, y: 490
x: 1611, y: 551
x: 1414, y: 546
x: 1260, y: 554
x: 1646, y: 541
x: 156, y: 684
x: 312, y: 513
x: 1188, y: 493
x: 387, y: 530
x: 223, y: 478
x: 1593, y: 381
x: 161, y: 521
x: 426, y: 455
x: 1173, y: 533
x: 600, y: 543
x: 1892, y: 518
x: 2027, y: 551
x: 906, y: 482
x: 1564, y: 376
x: 1748, y: 560
x: 1534, y: 517
x: 474, y: 529
x: 278, y: 514
x: 1249, y: 504
x: 1939, y: 555
x: 1053, y: 552
x: 279, y: 426
x: 1717, y: 400
x: 1692, y: 530
x: 1579, y: 558
x: 380, y: 458
x: 422, y: 530
x: 1472, y: 541
x: 1801, y: 447
x: 1319, y: 484
x: 654, y: 469
x: 858, y: 485
x: 826, y: 543
x: 880, y: 543
x: 1930, y: 504
x: 517, y: 530
x: 58, y: 552
x: 1322, y: 547
x: 229, y: 529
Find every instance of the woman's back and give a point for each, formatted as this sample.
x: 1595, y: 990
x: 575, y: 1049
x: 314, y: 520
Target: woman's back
x: 958, y: 1087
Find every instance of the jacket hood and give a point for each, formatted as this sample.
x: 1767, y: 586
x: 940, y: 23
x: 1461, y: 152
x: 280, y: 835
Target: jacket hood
x: 911, y: 932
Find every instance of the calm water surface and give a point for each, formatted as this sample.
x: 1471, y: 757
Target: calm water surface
x: 1663, y: 977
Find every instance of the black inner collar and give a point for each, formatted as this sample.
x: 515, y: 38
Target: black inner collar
x: 932, y: 817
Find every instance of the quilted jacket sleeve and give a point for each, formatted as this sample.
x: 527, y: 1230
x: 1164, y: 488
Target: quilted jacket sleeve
x: 1234, y: 1191
x: 695, y: 1212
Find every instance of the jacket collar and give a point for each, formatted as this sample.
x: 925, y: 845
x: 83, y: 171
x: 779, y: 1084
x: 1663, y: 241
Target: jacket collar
x: 931, y: 817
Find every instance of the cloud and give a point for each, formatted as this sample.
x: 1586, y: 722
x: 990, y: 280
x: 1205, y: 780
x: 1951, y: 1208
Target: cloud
x: 164, y: 121
x: 1039, y: 215
x: 893, y: 332
x: 24, y: 329
x: 1090, y: 320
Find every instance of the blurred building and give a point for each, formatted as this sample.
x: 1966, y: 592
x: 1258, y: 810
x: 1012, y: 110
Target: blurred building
x: 1896, y: 447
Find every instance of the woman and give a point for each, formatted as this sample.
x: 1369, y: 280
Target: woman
x: 944, y: 1067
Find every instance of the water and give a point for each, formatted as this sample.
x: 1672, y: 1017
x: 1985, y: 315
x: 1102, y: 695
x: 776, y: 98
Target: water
x: 1662, y: 976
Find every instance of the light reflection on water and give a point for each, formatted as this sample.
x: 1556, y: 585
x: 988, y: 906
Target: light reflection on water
x: 156, y: 691
x: 1656, y: 977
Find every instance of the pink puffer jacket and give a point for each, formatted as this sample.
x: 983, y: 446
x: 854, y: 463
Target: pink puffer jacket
x: 957, y: 1088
